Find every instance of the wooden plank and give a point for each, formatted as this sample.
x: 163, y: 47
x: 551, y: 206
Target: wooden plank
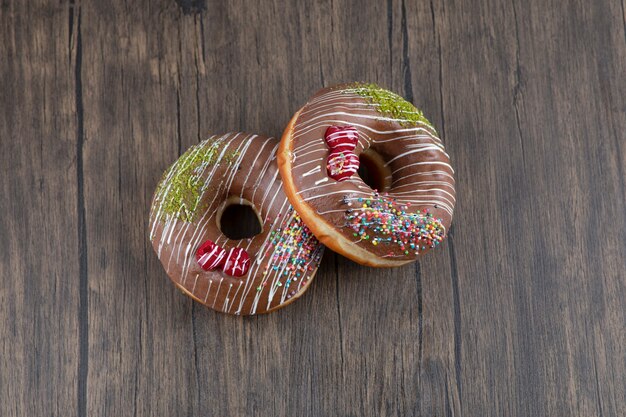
x: 270, y: 364
x: 40, y: 245
x: 540, y: 143
x: 141, y: 348
x: 395, y: 342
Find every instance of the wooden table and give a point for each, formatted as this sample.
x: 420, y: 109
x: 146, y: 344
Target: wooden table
x: 521, y: 313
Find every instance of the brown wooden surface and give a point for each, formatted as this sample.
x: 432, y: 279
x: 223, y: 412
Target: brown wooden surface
x: 521, y: 313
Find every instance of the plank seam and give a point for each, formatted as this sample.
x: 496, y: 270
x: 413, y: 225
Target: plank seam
x: 389, y: 31
x: 83, y: 309
x: 454, y: 276
x: 194, y: 335
x: 598, y: 396
x: 406, y: 64
x: 338, y: 310
x: 624, y: 19
x: 420, y: 312
x: 518, y: 85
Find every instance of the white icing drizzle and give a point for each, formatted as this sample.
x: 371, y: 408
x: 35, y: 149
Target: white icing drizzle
x: 312, y: 171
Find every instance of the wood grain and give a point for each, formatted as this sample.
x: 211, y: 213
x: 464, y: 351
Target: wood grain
x: 521, y: 313
x: 39, y: 220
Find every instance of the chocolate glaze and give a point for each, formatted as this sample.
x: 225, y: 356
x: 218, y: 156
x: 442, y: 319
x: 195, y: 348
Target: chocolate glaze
x: 250, y: 175
x: 421, y: 171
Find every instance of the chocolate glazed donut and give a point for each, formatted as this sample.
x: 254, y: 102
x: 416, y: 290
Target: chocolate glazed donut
x: 238, y: 275
x: 406, y: 206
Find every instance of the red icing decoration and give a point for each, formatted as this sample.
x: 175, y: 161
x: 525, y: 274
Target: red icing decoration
x: 342, y: 165
x: 237, y: 262
x: 341, y: 138
x: 210, y: 256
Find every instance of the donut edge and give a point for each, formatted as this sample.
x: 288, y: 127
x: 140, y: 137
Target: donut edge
x: 323, y: 231
x: 300, y: 293
x: 174, y: 278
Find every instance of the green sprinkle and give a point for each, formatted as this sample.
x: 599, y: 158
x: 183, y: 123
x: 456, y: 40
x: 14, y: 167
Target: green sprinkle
x: 391, y: 104
x: 180, y: 192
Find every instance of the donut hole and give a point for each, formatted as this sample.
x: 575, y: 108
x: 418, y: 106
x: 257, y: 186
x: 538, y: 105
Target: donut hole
x: 238, y: 219
x: 373, y: 171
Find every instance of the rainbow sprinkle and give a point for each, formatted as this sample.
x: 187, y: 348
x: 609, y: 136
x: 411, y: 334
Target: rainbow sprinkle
x: 381, y: 221
x: 294, y: 250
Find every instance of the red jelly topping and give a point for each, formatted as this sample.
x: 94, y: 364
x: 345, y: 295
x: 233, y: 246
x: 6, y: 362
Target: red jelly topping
x: 237, y: 262
x: 210, y: 256
x: 341, y: 138
x: 342, y: 165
